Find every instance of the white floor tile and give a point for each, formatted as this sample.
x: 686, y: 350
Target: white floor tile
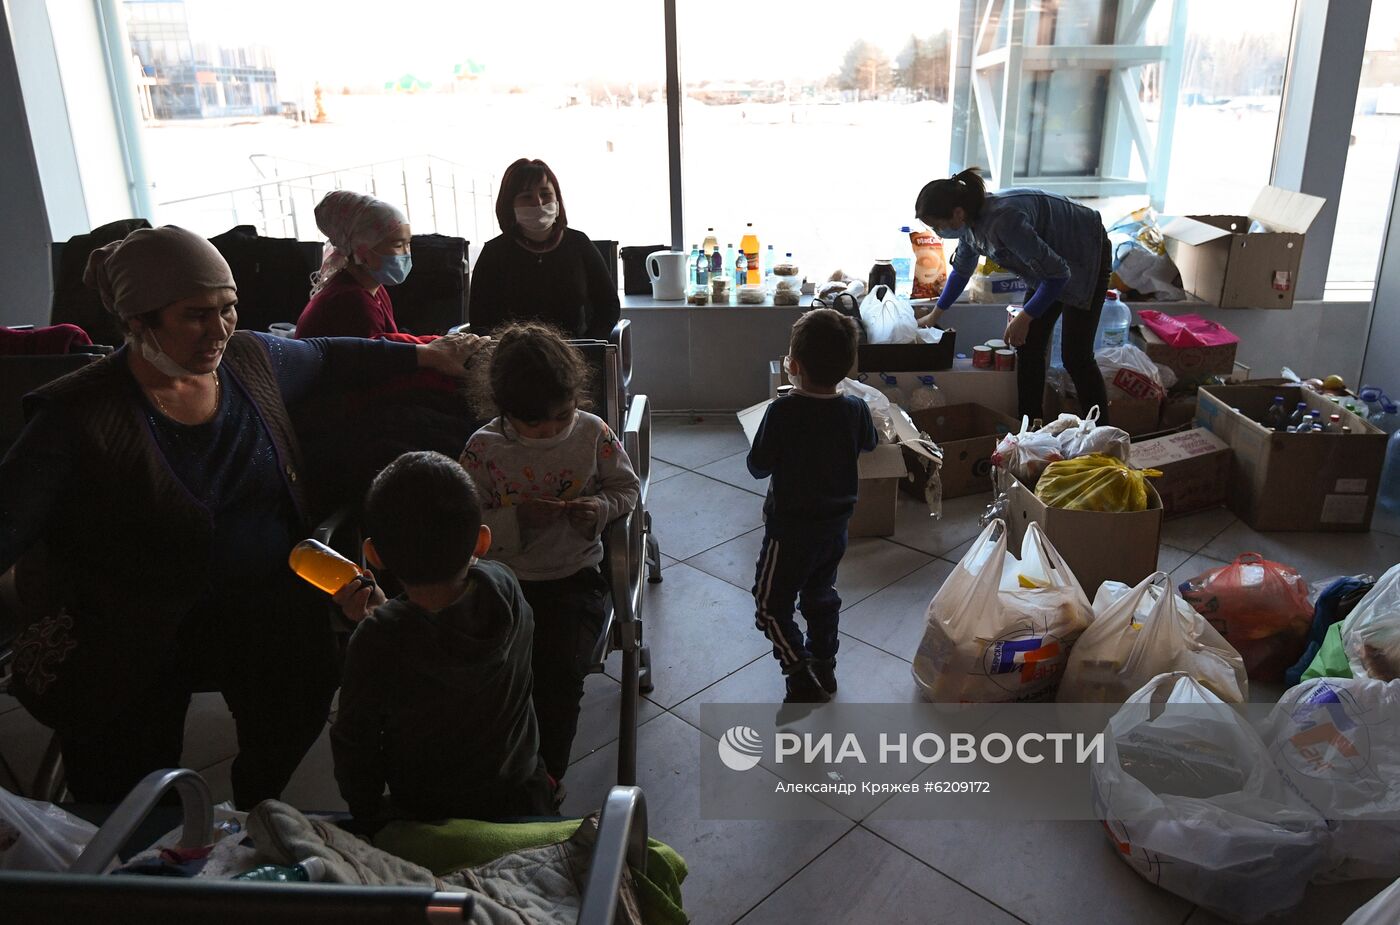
x: 1317, y: 556
x: 734, y: 470
x: 691, y: 514
x: 692, y: 445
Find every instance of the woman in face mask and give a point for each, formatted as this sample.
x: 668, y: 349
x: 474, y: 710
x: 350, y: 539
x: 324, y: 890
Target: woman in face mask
x: 1057, y: 246
x: 367, y: 250
x: 154, y: 496
x: 540, y: 268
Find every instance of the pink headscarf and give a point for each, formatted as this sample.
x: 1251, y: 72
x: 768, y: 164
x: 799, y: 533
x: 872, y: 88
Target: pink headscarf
x: 353, y: 224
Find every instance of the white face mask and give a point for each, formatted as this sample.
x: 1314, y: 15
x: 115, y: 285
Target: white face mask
x: 544, y: 443
x: 536, y: 219
x: 150, y: 349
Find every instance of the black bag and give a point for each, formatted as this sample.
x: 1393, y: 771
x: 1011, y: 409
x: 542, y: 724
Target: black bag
x: 846, y: 304
x: 73, y: 301
x: 273, y: 275
x: 434, y: 297
x: 634, y: 268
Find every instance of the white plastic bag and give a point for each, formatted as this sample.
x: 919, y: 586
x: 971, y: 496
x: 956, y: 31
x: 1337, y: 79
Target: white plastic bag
x: 1082, y: 436
x: 1337, y: 744
x: 1371, y: 632
x: 999, y: 630
x: 879, y: 405
x: 1129, y: 373
x: 889, y: 318
x: 1191, y: 801
x: 1141, y: 632
x: 39, y: 836
x: 1025, y: 455
x: 1383, y: 909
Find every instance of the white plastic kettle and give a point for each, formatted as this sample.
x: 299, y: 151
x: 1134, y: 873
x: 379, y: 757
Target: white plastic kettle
x: 666, y: 270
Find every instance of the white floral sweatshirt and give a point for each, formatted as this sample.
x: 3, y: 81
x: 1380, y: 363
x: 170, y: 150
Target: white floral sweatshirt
x: 586, y: 460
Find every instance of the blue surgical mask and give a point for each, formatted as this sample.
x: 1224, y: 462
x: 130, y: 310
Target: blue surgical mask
x: 393, y: 269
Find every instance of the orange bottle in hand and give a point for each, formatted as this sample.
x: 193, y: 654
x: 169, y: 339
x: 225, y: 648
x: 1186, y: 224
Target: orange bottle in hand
x: 322, y: 566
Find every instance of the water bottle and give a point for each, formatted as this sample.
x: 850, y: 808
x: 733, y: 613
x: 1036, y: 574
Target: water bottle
x: 1389, y: 495
x: 1299, y: 417
x: 1056, y: 357
x: 1276, y: 418
x: 1115, y: 320
x: 1315, y: 420
x: 889, y: 385
x: 312, y: 870
x: 769, y: 258
x: 702, y: 269
x: 692, y: 269
x: 741, y: 270
x: 926, y: 396
x: 728, y: 265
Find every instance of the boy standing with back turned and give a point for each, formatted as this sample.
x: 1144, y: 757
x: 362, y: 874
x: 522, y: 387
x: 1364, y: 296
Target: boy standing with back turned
x: 809, y: 443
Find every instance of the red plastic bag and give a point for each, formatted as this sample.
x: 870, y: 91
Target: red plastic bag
x: 1260, y: 607
x: 1183, y: 331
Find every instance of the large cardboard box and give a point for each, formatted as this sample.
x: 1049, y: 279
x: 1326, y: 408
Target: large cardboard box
x: 967, y: 434
x: 962, y: 384
x: 1195, y: 467
x: 1223, y: 264
x: 1098, y: 547
x: 1294, y: 481
x: 1192, y: 365
x: 881, y: 471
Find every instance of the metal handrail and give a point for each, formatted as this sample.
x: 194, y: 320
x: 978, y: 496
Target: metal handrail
x: 622, y: 842
x: 277, y: 181
x: 195, y: 801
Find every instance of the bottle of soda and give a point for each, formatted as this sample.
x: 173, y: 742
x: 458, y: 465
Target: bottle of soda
x: 1334, y: 424
x: 749, y: 245
x: 1276, y: 418
x: 322, y: 566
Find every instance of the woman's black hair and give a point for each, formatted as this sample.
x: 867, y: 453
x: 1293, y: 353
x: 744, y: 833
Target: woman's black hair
x: 939, y: 198
x: 529, y: 370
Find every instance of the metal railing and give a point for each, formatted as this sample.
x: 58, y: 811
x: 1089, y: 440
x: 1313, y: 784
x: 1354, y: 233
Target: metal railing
x: 436, y: 195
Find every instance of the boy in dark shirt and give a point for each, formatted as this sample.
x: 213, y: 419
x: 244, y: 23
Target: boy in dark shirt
x: 435, y: 701
x: 809, y: 443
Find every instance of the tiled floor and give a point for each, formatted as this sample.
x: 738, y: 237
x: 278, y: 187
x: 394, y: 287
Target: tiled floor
x: 707, y: 514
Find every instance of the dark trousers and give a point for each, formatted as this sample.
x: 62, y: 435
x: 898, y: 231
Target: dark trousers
x: 799, y: 566
x: 276, y: 724
x: 1076, y: 347
x: 568, y: 617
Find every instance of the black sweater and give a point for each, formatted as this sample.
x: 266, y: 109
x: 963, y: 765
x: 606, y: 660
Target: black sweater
x: 569, y: 287
x: 810, y: 446
x: 437, y: 705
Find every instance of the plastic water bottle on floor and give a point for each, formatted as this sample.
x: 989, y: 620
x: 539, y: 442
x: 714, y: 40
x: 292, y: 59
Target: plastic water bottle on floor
x: 926, y: 396
x: 1114, y: 321
x: 311, y: 870
x: 889, y: 385
x: 1389, y: 495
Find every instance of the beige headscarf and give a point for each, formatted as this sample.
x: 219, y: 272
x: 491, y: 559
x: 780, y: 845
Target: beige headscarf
x: 155, y: 267
x: 353, y: 224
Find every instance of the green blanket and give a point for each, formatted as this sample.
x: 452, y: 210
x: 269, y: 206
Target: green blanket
x: 460, y: 843
x: 1331, y: 659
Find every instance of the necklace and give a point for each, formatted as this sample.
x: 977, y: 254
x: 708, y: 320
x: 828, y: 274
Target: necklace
x: 218, y: 393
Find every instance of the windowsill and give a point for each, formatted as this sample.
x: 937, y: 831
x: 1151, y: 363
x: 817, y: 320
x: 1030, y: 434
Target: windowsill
x: 631, y: 302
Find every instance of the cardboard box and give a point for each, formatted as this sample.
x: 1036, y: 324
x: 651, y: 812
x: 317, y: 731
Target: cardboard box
x: 1177, y: 412
x: 1294, y: 481
x: 1192, y: 365
x: 1098, y: 547
x: 1223, y: 264
x: 1135, y: 415
x: 881, y: 471
x: 967, y: 434
x: 1195, y: 467
x: 965, y: 385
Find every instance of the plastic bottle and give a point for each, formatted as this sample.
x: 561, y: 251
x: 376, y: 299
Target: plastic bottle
x: 717, y: 265
x: 322, y: 566
x: 1056, y: 354
x: 1299, y: 415
x: 728, y: 266
x: 1389, y: 495
x: 1315, y: 419
x: 1387, y: 416
x: 1115, y: 320
x: 890, y: 386
x: 1334, y: 424
x: 926, y: 396
x: 311, y: 870
x: 710, y: 245
x: 769, y: 258
x: 749, y: 245
x: 692, y: 269
x: 741, y: 269
x: 1276, y: 418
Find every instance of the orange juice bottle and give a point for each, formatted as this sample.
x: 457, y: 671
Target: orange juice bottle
x: 322, y: 566
x: 749, y: 245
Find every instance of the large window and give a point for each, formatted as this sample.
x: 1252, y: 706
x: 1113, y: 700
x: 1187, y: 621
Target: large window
x: 1364, y: 205
x: 818, y: 129
x: 425, y: 103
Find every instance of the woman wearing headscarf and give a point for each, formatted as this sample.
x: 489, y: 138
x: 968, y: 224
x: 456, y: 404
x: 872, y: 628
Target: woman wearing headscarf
x: 154, y: 496
x: 367, y: 250
x: 538, y: 267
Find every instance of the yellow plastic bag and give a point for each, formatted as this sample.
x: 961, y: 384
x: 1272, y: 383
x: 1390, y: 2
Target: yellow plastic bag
x: 1095, y: 483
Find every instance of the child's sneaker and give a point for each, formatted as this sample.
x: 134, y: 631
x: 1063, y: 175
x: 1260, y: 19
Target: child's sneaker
x: 825, y: 671
x: 803, y: 686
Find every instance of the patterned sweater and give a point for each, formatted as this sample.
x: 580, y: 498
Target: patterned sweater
x: 586, y: 460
